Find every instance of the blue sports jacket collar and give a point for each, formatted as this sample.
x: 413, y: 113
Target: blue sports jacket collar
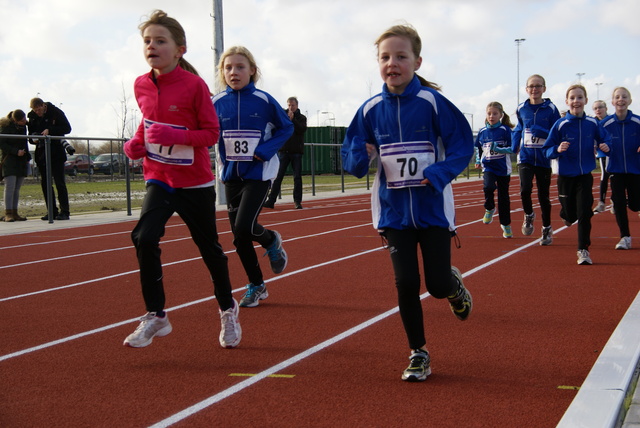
x: 249, y: 88
x: 412, y: 88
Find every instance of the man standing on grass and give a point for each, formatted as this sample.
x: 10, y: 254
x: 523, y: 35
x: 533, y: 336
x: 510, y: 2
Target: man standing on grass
x: 291, y: 153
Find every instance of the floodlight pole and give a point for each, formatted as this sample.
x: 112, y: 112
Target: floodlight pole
x: 518, y: 43
x: 218, y: 47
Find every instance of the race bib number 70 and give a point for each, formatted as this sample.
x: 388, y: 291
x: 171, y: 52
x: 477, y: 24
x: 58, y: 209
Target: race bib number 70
x: 404, y: 163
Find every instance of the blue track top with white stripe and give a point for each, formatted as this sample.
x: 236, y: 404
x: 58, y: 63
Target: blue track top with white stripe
x: 252, y: 109
x: 497, y: 163
x: 625, y: 143
x: 534, y: 123
x: 419, y: 116
x: 584, y: 134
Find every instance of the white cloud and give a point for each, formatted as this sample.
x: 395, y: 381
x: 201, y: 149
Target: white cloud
x: 81, y: 53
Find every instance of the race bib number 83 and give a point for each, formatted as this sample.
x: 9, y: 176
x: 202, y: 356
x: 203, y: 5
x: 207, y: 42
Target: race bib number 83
x: 240, y: 145
x: 403, y: 163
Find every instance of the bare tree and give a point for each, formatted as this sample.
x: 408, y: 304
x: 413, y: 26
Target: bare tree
x: 126, y: 124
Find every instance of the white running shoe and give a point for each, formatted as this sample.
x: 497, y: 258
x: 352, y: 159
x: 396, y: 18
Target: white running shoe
x: 599, y: 208
x: 230, y: 332
x: 583, y: 257
x: 150, y: 326
x: 624, y: 244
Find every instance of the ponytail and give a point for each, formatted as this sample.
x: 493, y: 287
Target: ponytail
x: 425, y: 82
x: 185, y: 65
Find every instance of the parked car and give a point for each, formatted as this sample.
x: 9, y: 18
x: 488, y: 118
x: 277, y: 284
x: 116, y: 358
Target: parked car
x: 78, y: 163
x: 108, y: 163
x: 135, y: 166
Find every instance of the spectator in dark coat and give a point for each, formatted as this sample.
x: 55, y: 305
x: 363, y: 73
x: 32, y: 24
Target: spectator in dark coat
x: 15, y: 161
x: 47, y: 119
x: 291, y: 153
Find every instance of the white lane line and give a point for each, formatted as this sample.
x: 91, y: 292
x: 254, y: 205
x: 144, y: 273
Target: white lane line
x: 184, y: 305
x: 76, y: 238
x: 270, y: 371
x: 49, y: 290
x: 53, y: 259
x: 177, y: 417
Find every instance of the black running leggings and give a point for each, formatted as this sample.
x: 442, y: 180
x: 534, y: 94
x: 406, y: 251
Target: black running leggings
x: 244, y: 203
x: 435, y: 248
x: 197, y: 207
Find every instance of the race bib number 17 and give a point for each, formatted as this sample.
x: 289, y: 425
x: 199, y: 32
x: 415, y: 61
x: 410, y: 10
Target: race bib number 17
x: 177, y: 154
x: 404, y: 163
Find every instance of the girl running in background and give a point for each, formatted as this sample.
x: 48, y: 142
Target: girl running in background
x: 600, y: 112
x: 624, y: 162
x: 535, y: 118
x: 572, y: 140
x: 493, y: 145
x: 423, y: 142
x: 254, y: 127
x: 179, y: 123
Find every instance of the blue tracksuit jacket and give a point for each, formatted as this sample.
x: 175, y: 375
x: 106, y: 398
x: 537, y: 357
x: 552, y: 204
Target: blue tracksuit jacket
x: 418, y: 122
x: 584, y: 134
x: 492, y: 161
x: 625, y: 141
x: 254, y: 110
x: 534, y: 123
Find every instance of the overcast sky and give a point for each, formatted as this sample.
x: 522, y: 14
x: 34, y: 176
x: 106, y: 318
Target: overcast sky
x: 82, y: 55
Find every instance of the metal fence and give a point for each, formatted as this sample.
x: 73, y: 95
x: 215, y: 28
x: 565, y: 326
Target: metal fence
x: 317, y: 155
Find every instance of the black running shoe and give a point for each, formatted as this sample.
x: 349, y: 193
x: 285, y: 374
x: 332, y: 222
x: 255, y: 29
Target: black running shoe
x: 461, y: 302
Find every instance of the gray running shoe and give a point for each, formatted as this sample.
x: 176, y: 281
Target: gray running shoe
x: 547, y: 236
x: 277, y: 254
x: 253, y: 295
x: 527, y: 225
x: 600, y: 207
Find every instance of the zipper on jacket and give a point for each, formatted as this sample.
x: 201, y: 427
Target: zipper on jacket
x: 624, y: 151
x: 413, y: 219
x: 238, y: 127
x: 580, y: 145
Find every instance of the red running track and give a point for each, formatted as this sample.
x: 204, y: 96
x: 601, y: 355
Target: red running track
x: 327, y: 348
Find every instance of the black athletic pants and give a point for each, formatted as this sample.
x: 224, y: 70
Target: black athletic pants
x: 435, y: 248
x: 543, y: 183
x: 244, y: 202
x: 197, y: 207
x: 576, y: 199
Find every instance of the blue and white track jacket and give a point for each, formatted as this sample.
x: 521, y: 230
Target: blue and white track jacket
x: 534, y: 123
x: 252, y: 109
x: 584, y: 134
x: 492, y: 161
x: 625, y: 141
x: 418, y: 134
